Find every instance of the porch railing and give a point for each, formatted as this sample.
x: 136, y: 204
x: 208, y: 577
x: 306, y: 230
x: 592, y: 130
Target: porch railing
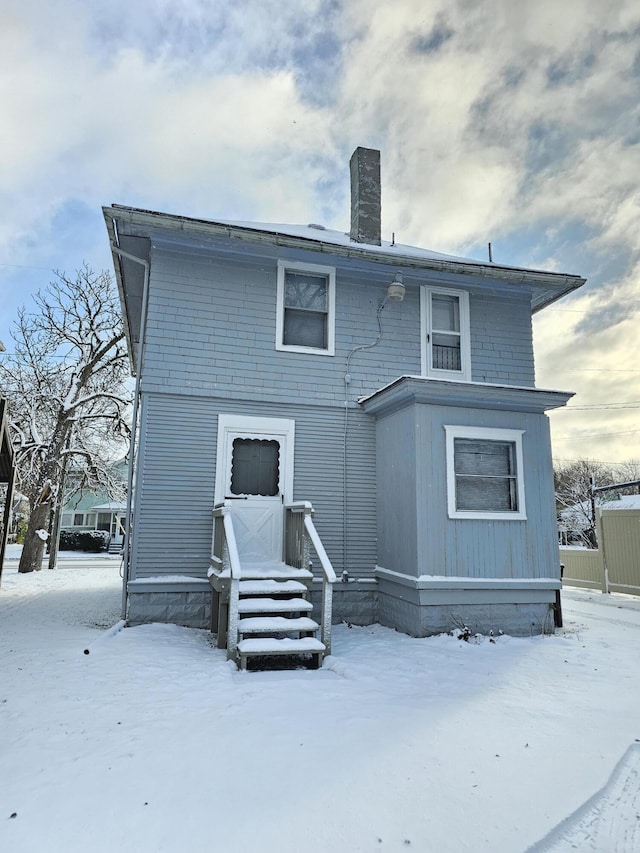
x: 224, y: 553
x: 300, y: 535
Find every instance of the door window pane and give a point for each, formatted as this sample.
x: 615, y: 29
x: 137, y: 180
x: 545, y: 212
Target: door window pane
x: 445, y: 332
x: 446, y: 313
x: 255, y: 467
x: 445, y: 350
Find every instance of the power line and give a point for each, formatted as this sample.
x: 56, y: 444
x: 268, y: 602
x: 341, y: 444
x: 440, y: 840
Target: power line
x: 599, y: 369
x: 631, y: 404
x: 582, y: 459
x: 27, y: 267
x: 593, y: 435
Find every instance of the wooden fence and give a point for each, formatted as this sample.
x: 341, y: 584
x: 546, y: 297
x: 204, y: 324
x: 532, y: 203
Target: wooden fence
x: 615, y: 565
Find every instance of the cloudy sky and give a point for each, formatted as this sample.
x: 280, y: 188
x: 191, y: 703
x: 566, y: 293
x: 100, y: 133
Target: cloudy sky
x: 510, y: 121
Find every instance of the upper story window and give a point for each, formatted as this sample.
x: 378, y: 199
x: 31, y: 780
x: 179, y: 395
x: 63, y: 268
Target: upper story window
x: 306, y: 308
x: 484, y: 473
x: 445, y: 333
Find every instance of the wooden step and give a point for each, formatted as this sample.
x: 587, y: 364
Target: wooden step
x: 267, y: 647
x: 274, y: 605
x: 286, y: 646
x: 276, y: 625
x: 271, y: 587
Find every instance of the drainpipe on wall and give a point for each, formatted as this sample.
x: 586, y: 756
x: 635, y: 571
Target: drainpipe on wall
x: 134, y: 420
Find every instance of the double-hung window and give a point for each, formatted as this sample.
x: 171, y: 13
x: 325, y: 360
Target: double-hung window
x: 485, y: 473
x: 445, y: 333
x: 306, y: 296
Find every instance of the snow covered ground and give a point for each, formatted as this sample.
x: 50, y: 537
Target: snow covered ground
x: 153, y: 742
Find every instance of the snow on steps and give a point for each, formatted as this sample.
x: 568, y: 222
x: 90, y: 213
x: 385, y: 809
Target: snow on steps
x: 273, y: 600
x: 274, y: 605
x: 270, y: 586
x: 275, y: 625
x: 268, y: 646
x: 269, y: 570
x: 284, y: 646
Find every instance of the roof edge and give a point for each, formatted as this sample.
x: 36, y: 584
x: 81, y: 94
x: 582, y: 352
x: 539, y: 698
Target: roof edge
x: 562, y: 283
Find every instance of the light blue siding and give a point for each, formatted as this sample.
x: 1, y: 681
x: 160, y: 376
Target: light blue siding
x: 211, y: 331
x: 176, y: 477
x: 460, y: 547
x: 210, y: 350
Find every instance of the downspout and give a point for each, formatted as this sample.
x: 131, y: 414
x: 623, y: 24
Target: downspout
x: 134, y: 420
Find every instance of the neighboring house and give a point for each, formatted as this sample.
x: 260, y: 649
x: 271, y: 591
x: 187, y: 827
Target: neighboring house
x: 96, y: 510
x: 392, y: 387
x: 614, y: 564
x: 576, y: 526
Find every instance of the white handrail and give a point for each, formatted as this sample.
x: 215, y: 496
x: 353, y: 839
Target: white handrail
x: 235, y: 571
x: 232, y: 545
x: 325, y: 562
x: 300, y: 506
x: 327, y: 581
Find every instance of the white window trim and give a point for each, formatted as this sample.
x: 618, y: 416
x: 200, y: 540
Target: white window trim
x: 464, y: 375
x: 229, y: 426
x: 330, y: 272
x: 486, y: 434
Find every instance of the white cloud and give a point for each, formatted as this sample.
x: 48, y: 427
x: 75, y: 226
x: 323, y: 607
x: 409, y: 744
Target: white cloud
x: 588, y: 345
x: 492, y: 118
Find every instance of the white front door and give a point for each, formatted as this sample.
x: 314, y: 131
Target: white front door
x: 254, y: 478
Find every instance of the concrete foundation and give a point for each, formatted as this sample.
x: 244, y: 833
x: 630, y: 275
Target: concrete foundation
x: 419, y: 613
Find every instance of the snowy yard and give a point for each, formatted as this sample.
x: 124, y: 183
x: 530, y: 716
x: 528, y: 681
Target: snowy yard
x: 153, y: 742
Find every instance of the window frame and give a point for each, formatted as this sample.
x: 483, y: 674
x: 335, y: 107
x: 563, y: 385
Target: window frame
x: 427, y: 291
x: 311, y: 269
x: 513, y: 436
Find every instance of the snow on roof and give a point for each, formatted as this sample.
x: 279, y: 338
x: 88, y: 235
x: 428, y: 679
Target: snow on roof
x: 578, y: 515
x: 114, y: 506
x: 623, y: 502
x: 320, y: 233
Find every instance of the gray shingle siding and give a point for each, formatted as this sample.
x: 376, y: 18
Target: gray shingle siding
x: 211, y: 330
x: 176, y: 478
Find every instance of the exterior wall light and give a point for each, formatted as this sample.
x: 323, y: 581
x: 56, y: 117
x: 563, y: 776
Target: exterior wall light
x: 396, y: 290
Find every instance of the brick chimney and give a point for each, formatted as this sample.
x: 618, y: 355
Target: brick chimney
x: 365, y: 196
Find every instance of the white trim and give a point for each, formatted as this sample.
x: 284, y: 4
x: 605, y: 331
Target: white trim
x: 464, y: 375
x: 486, y: 434
x: 231, y: 425
x: 330, y: 272
x: 457, y: 582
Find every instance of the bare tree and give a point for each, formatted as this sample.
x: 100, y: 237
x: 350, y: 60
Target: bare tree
x: 68, y: 398
x: 574, y: 504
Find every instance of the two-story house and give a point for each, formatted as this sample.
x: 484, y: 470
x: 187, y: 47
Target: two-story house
x: 391, y: 387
